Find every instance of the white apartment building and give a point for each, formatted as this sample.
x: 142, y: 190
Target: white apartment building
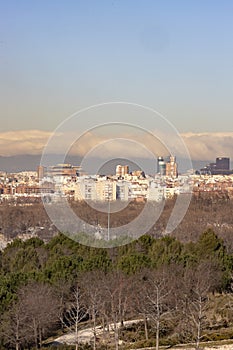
x: 155, y: 192
x: 95, y: 189
x: 122, y: 190
x: 106, y: 190
x: 87, y: 189
x: 138, y: 189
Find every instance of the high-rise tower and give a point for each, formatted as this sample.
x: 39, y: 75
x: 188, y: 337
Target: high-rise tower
x: 161, y: 166
x: 171, y: 167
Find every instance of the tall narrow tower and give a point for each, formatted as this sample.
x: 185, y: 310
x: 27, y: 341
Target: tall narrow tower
x: 161, y: 166
x: 40, y: 172
x: 171, y: 168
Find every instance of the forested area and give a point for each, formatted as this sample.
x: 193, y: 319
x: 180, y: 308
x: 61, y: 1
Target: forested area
x: 206, y: 211
x: 177, y: 292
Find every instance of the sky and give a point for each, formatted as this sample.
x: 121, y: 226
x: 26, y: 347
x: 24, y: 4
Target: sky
x: 57, y: 57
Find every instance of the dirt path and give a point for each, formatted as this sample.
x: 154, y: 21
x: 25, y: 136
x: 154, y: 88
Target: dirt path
x: 86, y: 335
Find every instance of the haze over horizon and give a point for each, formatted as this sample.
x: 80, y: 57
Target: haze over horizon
x: 58, y: 57
x: 15, y: 164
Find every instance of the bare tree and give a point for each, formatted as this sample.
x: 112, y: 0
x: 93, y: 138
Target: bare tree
x: 75, y: 313
x: 198, y: 282
x: 158, y: 301
x: 138, y: 300
x: 116, y: 296
x: 41, y: 308
x: 62, y: 292
x: 92, y: 285
x: 13, y: 326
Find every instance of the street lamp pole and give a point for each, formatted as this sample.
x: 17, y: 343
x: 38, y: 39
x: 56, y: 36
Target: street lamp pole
x: 108, y: 217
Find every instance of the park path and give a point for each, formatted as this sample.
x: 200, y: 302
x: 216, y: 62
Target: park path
x: 86, y: 335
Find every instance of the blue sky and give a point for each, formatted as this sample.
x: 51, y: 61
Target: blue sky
x: 59, y: 56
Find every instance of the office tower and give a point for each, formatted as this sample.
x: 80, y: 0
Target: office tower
x: 40, y: 172
x: 161, y: 166
x: 223, y: 163
x: 221, y: 167
x: 171, y: 167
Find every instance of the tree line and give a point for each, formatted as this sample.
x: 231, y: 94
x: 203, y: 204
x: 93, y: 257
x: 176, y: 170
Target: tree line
x: 206, y: 211
x: 175, y: 292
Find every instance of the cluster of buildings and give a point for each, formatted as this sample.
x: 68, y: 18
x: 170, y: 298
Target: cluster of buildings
x: 68, y: 180
x: 221, y: 185
x: 167, y: 167
x: 123, y: 185
x: 215, y: 178
x: 220, y: 167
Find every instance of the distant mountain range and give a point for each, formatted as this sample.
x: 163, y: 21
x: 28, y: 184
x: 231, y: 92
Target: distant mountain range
x: 19, y: 163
